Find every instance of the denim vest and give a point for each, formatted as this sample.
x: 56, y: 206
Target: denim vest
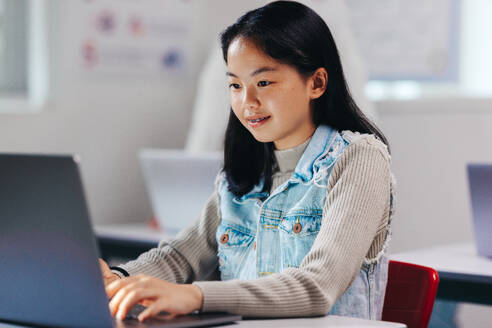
x: 261, y: 234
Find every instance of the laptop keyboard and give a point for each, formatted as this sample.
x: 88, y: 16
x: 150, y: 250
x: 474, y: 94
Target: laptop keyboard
x: 131, y: 319
x: 191, y: 320
x: 135, y: 311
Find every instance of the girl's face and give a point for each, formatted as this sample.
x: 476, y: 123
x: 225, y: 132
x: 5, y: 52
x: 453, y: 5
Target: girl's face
x: 271, y: 99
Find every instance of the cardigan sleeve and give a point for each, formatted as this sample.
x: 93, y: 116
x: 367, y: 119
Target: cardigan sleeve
x: 192, y: 255
x: 356, y: 203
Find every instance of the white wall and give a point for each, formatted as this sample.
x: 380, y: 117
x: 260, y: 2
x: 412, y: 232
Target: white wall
x: 431, y: 141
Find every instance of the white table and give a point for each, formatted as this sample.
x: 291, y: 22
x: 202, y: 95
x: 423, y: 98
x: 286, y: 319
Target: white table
x: 328, y: 321
x: 463, y: 275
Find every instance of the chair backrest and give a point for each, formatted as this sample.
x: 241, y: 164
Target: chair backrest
x: 410, y: 294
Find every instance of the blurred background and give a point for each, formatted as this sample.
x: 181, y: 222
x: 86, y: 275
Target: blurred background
x: 106, y: 78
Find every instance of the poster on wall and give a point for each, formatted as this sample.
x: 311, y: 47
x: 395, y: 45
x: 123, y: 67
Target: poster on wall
x: 408, y: 40
x: 131, y: 38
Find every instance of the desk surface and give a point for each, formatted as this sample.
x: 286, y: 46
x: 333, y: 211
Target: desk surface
x: 328, y: 321
x: 454, y: 261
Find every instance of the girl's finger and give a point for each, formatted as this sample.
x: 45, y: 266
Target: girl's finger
x: 116, y: 285
x: 132, y: 298
x: 153, y: 310
x: 115, y: 302
x: 146, y: 303
x: 104, y: 266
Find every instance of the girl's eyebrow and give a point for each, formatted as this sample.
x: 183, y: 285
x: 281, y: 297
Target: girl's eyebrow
x: 256, y: 72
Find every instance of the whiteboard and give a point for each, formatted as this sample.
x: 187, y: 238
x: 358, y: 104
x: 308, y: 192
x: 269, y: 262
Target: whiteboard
x: 407, y: 40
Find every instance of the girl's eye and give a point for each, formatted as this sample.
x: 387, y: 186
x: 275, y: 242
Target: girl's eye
x: 264, y: 83
x: 234, y: 85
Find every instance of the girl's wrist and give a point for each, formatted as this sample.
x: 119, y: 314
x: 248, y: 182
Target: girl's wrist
x: 197, y: 294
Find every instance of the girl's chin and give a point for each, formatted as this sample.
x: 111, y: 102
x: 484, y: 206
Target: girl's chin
x: 262, y: 137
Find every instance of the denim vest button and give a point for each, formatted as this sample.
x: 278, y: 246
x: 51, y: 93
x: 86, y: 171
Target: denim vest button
x: 224, y: 238
x: 297, y: 228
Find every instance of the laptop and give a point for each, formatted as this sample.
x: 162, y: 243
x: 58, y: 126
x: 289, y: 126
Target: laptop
x: 480, y: 181
x: 174, y: 176
x: 49, y: 270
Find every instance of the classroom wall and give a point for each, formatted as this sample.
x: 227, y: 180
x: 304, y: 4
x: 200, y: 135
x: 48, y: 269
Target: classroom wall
x: 106, y: 123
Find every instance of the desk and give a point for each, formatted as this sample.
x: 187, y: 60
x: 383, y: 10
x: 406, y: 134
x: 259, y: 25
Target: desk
x: 328, y: 321
x: 463, y: 275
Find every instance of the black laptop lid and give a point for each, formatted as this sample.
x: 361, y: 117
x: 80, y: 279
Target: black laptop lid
x: 49, y: 274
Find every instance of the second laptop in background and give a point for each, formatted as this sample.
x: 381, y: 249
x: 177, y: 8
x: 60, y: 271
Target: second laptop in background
x: 480, y: 181
x: 178, y: 184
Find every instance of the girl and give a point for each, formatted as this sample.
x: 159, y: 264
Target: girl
x: 299, y: 220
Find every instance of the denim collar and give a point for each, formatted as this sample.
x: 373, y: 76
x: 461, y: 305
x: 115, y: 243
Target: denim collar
x: 318, y: 147
x: 315, y: 152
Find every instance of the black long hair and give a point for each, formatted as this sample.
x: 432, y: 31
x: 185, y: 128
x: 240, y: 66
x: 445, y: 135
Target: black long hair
x: 293, y: 34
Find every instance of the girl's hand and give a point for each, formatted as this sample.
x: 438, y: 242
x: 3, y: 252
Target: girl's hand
x: 108, y: 275
x: 158, y: 295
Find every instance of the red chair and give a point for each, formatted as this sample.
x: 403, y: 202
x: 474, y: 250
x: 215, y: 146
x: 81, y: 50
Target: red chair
x: 410, y: 294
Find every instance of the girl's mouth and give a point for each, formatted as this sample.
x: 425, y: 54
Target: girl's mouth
x: 258, y: 121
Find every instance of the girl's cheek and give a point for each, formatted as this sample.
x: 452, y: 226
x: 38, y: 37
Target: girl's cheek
x: 238, y: 114
x: 235, y: 107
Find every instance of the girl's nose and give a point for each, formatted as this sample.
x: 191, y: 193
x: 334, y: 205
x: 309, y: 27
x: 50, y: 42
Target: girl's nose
x: 250, y: 99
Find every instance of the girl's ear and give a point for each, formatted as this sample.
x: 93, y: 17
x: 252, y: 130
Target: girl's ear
x: 317, y: 83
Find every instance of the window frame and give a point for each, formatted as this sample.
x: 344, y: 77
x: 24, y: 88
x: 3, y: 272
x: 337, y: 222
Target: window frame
x: 36, y: 94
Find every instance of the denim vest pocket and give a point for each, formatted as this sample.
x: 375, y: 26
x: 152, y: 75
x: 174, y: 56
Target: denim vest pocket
x: 297, y: 234
x: 233, y: 245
